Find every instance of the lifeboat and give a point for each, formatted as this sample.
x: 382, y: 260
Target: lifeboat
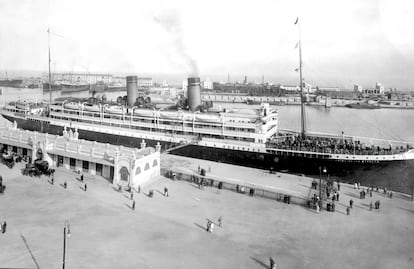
x: 207, y: 118
x: 170, y: 115
x: 115, y: 109
x: 72, y: 105
x: 143, y: 112
x: 91, y: 107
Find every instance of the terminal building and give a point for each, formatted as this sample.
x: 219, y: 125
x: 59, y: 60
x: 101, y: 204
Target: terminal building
x: 120, y: 165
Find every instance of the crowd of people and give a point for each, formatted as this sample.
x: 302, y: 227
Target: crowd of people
x: 333, y: 145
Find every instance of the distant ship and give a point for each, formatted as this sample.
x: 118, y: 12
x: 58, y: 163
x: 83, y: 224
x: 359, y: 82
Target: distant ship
x: 68, y: 87
x: 12, y: 83
x: 115, y: 87
x: 54, y: 87
x: 362, y: 105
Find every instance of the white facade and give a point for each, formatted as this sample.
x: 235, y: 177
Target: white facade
x: 121, y: 165
x: 144, y: 82
x: 207, y: 84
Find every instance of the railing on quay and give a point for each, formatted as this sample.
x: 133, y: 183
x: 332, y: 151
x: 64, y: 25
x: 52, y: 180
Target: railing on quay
x: 205, y: 181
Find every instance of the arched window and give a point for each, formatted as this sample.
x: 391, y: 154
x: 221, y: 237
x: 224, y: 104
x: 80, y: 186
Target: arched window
x: 147, y: 166
x: 138, y: 171
x: 155, y: 163
x: 124, y: 173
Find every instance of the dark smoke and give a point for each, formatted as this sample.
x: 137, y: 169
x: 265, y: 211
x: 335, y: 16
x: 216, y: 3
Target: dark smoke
x: 171, y: 23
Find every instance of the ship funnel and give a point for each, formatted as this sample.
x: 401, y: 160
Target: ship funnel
x: 194, y: 93
x: 132, y: 89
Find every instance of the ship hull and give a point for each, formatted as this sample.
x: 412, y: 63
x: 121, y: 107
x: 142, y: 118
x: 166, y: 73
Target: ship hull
x: 54, y: 87
x: 397, y: 175
x: 69, y: 88
x: 13, y: 83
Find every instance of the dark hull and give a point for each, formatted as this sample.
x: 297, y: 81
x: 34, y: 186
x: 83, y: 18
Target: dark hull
x: 68, y: 88
x: 395, y: 175
x: 55, y: 87
x: 13, y: 83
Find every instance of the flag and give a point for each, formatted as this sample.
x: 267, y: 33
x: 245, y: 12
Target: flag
x: 296, y: 46
x: 297, y: 20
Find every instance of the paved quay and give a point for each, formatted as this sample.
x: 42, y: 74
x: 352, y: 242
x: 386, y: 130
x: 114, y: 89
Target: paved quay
x: 169, y: 232
x: 278, y: 182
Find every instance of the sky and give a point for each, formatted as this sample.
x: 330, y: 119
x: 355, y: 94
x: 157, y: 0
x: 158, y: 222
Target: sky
x: 344, y: 42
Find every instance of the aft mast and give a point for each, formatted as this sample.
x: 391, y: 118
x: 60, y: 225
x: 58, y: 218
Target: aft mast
x: 50, y: 75
x: 302, y: 105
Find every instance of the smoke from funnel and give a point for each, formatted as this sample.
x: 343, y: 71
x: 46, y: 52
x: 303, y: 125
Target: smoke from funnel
x: 171, y: 23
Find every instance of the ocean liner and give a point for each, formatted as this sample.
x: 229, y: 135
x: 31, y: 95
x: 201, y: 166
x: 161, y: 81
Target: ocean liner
x: 244, y: 137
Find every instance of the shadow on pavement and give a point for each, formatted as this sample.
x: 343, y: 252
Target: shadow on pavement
x: 259, y: 262
x: 406, y: 209
x: 199, y: 226
x: 30, y: 251
x: 352, y: 195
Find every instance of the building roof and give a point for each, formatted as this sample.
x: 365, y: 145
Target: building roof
x: 70, y: 146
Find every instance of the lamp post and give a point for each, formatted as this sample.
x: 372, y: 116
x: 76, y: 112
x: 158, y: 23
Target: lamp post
x: 320, y: 183
x: 66, y: 232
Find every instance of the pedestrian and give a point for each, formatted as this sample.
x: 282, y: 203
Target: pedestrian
x: 133, y: 205
x: 3, y: 227
x: 348, y: 210
x: 131, y: 196
x: 337, y: 196
x: 339, y: 186
x: 272, y: 263
x: 65, y: 185
x: 139, y: 189
x: 370, y: 206
x: 165, y: 191
x: 85, y: 187
x: 390, y: 194
x: 351, y: 202
x: 81, y: 178
x: 53, y: 180
x: 377, y: 205
x: 251, y: 192
x: 219, y: 221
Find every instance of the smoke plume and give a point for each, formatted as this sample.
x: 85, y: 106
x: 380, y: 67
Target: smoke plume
x: 171, y: 23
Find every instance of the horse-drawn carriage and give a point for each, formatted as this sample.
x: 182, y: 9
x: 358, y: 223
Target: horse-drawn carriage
x: 8, y: 159
x: 31, y: 170
x: 38, y: 168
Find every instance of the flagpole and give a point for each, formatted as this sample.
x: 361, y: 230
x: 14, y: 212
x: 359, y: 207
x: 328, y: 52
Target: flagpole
x: 302, y: 105
x: 50, y: 75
